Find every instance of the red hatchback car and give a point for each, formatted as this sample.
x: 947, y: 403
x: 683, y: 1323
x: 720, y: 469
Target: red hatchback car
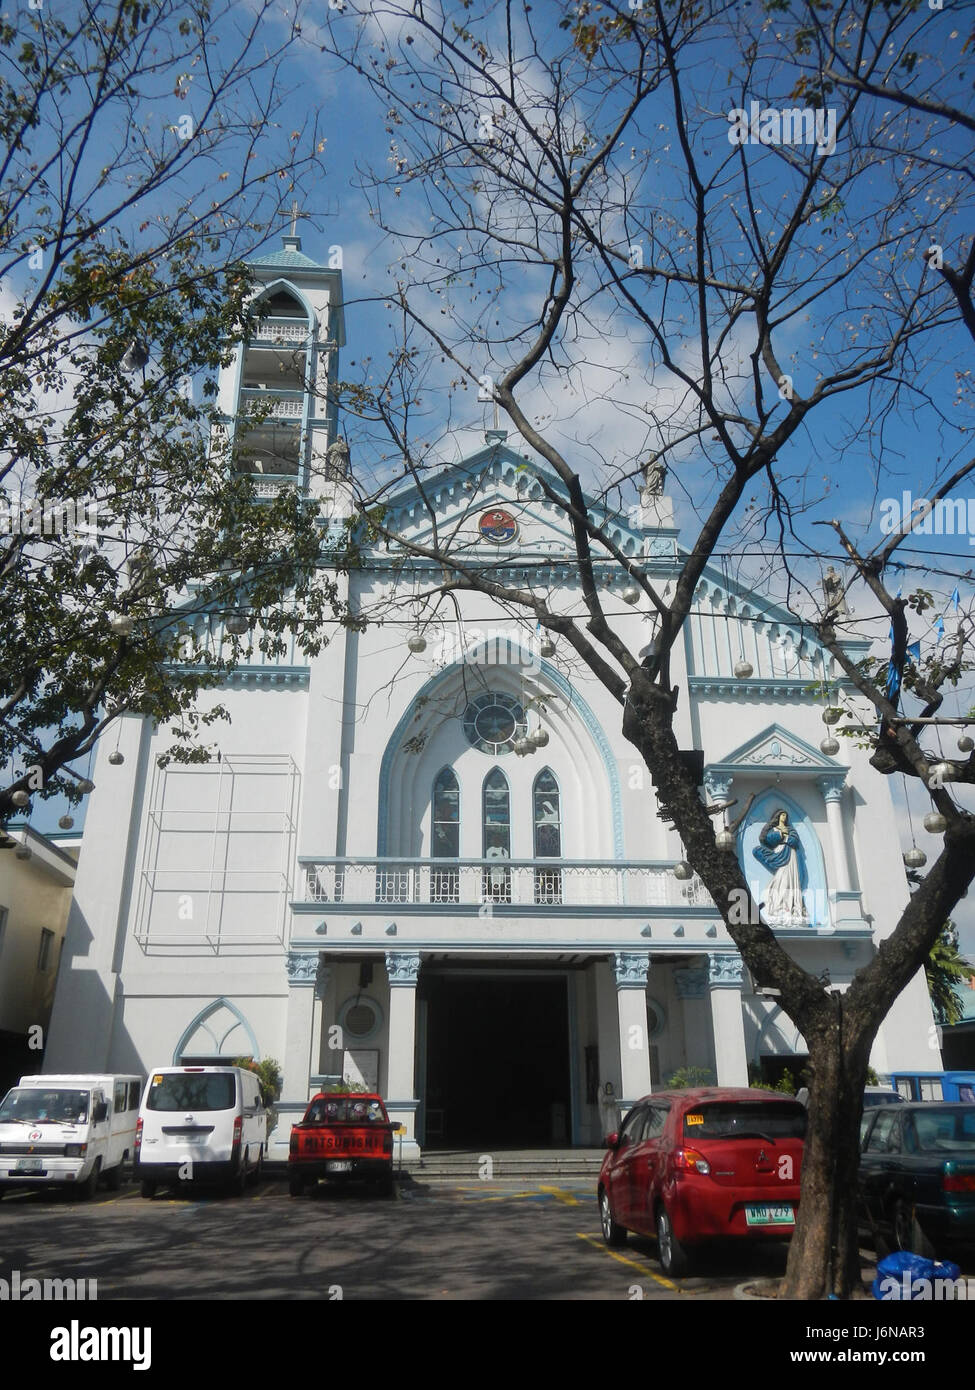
x: 696, y: 1166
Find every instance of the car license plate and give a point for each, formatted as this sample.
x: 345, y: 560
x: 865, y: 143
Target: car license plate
x: 338, y: 1166
x: 756, y: 1215
x: 29, y: 1165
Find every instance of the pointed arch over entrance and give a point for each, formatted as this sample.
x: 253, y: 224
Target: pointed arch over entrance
x: 218, y: 1030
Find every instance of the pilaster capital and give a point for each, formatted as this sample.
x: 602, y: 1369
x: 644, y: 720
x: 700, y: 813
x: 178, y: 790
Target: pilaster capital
x: 302, y: 967
x: 631, y: 969
x: 403, y: 967
x: 831, y: 785
x: 725, y: 970
x: 718, y: 785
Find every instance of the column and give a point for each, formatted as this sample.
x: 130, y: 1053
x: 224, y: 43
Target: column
x: 832, y: 789
x: 299, y: 1050
x: 631, y: 969
x: 846, y: 902
x: 402, y: 969
x: 724, y: 983
x: 691, y: 984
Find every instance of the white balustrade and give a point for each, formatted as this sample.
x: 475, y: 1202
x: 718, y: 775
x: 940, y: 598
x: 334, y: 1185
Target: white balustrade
x: 532, y: 883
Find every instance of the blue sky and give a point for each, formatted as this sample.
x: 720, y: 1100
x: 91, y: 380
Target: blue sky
x: 609, y: 400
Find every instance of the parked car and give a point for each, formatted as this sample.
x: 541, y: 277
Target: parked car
x: 343, y: 1136
x: 880, y: 1095
x: 916, y: 1184
x: 697, y: 1166
x: 68, y: 1131
x: 200, y: 1125
x: 872, y: 1095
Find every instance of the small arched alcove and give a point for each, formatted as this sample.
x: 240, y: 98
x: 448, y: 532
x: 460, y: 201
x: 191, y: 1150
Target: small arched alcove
x: 217, y: 1034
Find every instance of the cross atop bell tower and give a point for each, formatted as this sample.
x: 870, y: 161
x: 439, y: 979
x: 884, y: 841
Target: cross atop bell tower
x: 292, y: 241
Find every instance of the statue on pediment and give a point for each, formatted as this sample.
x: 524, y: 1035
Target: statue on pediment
x: 654, y: 477
x: 833, y: 591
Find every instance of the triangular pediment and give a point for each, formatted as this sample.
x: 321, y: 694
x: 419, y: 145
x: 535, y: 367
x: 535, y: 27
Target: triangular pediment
x: 465, y: 496
x: 778, y: 748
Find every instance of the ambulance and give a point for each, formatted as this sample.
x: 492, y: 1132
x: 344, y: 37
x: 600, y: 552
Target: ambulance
x: 68, y: 1131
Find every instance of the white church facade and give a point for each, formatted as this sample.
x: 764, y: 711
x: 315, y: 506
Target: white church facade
x: 427, y: 859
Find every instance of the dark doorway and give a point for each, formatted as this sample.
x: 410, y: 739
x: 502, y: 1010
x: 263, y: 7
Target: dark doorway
x: 497, y: 1061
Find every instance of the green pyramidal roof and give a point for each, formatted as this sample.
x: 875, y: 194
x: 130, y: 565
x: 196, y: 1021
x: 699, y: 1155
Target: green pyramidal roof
x: 291, y: 257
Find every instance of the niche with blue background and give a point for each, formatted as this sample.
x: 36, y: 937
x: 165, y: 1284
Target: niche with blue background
x: 758, y: 876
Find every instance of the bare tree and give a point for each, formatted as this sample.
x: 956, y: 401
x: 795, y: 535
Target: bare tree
x: 633, y: 205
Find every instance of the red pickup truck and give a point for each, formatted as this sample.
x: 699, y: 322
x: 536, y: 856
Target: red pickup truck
x: 343, y: 1136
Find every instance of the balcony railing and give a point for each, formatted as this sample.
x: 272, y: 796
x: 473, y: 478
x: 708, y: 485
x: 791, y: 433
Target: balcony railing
x: 279, y: 404
x: 538, y: 883
x: 272, y: 330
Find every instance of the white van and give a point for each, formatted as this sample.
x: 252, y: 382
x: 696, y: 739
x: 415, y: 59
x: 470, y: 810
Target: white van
x: 200, y: 1125
x: 68, y: 1130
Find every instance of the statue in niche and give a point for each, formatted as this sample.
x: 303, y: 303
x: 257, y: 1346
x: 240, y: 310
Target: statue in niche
x: 780, y: 851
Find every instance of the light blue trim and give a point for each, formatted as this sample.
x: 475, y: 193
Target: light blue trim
x: 754, y: 872
x: 574, y: 701
x: 203, y: 1015
x: 738, y: 760
x: 286, y: 284
x: 548, y: 945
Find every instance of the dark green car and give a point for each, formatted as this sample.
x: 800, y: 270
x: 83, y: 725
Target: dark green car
x: 917, y: 1177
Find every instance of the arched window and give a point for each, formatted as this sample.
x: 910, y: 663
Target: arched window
x: 445, y: 837
x: 496, y: 823
x: 547, y: 818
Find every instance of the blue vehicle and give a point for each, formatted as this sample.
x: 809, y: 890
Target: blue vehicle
x: 935, y: 1085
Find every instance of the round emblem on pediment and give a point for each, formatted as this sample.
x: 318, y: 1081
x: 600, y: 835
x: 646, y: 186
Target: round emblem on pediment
x: 498, y: 525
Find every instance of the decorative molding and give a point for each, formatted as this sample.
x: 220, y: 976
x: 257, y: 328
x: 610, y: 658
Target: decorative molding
x: 725, y: 970
x: 718, y: 785
x: 631, y: 969
x: 758, y: 687
x: 403, y: 967
x: 268, y: 675
x: 776, y: 749
x: 302, y: 967
x: 831, y: 785
x: 323, y: 978
x: 691, y: 982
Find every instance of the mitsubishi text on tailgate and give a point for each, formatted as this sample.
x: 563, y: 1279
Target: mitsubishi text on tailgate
x: 343, y: 1136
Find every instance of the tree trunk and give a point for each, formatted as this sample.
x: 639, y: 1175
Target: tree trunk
x: 824, y: 1255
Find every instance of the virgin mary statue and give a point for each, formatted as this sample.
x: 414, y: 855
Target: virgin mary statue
x: 779, y: 850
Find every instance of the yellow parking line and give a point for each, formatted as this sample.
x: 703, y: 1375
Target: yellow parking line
x: 561, y: 1195
x: 638, y: 1265
x: 504, y: 1197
